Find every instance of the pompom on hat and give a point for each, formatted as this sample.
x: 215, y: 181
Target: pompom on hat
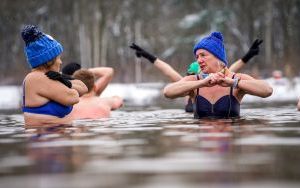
x: 40, y: 48
x: 214, y: 44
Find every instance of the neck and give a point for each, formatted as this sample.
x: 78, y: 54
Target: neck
x: 225, y: 71
x: 41, y: 69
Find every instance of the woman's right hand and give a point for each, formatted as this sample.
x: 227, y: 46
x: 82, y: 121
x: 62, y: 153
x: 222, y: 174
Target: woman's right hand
x: 140, y: 52
x: 211, y: 80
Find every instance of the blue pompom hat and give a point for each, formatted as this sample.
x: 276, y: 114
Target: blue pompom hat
x: 214, y: 44
x: 40, y: 48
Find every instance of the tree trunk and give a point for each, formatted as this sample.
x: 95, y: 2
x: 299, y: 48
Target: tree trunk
x: 268, y: 35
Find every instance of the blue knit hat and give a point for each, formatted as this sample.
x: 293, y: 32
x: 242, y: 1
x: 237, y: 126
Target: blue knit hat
x: 40, y: 48
x: 214, y: 44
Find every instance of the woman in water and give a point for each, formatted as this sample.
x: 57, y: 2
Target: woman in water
x: 193, y: 68
x: 220, y: 93
x: 48, y: 96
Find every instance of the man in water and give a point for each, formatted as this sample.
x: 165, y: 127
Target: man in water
x: 103, y: 75
x: 90, y: 105
x: 96, y: 79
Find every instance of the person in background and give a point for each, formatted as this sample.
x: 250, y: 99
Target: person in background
x: 91, y: 106
x: 218, y: 92
x: 48, y: 96
x: 194, y: 67
x: 298, y: 105
x: 103, y: 75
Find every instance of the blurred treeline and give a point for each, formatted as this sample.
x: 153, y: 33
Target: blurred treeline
x: 98, y: 32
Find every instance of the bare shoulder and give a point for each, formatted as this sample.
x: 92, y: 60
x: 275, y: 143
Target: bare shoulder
x: 35, y: 77
x: 44, y: 85
x: 35, y: 80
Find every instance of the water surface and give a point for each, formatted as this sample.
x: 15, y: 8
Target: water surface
x: 155, y: 147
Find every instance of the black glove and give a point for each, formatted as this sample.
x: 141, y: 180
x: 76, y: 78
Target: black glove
x: 140, y: 52
x: 70, y: 68
x: 253, y: 50
x: 67, y: 77
x: 59, y: 77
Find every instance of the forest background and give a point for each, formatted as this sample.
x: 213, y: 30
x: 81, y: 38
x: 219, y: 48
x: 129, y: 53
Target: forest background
x: 98, y: 33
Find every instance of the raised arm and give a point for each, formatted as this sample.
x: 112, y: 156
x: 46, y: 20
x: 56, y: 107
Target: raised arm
x: 237, y: 66
x: 103, y: 76
x: 253, y: 51
x: 167, y: 70
x: 162, y: 66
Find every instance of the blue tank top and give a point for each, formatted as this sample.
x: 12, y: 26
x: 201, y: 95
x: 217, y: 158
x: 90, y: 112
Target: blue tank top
x: 50, y: 108
x: 226, y: 107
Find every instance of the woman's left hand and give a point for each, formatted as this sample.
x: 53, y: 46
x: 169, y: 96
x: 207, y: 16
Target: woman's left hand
x: 225, y: 82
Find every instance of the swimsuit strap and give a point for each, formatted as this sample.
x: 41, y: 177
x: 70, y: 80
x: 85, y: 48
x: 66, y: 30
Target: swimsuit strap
x: 197, y: 76
x: 231, y: 94
x: 231, y: 88
x: 23, y: 93
x: 195, y: 102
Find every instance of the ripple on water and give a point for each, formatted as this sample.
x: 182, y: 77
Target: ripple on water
x: 159, y: 145
x: 265, y: 140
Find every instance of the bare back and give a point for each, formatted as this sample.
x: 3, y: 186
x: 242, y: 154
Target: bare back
x: 91, y: 108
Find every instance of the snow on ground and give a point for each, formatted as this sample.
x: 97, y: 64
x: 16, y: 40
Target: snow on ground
x: 146, y: 93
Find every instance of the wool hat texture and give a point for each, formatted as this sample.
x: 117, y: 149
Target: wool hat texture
x: 214, y: 44
x: 40, y: 48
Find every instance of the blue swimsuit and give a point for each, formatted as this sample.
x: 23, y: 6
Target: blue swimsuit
x: 227, y: 106
x: 50, y: 108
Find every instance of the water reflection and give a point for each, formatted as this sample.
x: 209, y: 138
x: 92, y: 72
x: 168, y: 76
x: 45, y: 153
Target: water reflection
x: 58, y: 160
x: 155, y: 148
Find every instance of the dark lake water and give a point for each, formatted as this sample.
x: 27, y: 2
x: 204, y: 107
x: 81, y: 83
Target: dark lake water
x: 155, y: 147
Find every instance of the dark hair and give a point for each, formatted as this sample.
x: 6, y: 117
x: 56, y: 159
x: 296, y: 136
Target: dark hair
x: 46, y: 66
x: 70, y: 68
x: 86, y: 76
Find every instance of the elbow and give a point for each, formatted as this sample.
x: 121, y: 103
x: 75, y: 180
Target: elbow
x: 110, y: 72
x: 167, y: 93
x: 268, y: 92
x: 75, y: 100
x: 72, y: 97
x: 83, y: 90
x: 118, y: 102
